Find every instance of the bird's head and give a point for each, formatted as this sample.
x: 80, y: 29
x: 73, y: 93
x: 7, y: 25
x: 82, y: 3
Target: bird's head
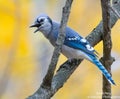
x: 43, y: 23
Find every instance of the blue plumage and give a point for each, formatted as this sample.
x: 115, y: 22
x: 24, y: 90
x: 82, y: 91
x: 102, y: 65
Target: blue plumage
x: 74, y: 45
x: 103, y: 70
x: 77, y: 44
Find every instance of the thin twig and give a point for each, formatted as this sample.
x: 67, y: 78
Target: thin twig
x: 107, y: 60
x: 60, y: 40
x: 115, y: 11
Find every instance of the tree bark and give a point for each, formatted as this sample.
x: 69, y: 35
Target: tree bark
x: 46, y: 88
x: 60, y: 40
x: 107, y: 60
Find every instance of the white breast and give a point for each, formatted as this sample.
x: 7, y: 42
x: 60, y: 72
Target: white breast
x: 74, y: 53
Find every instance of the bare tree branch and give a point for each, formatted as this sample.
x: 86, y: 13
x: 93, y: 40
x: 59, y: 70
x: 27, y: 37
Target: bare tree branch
x: 107, y: 60
x: 67, y: 68
x: 112, y: 8
x: 60, y: 40
x: 94, y: 37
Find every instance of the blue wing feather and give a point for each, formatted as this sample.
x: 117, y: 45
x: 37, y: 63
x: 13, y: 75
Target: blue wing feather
x: 73, y: 40
x: 103, y: 70
x: 76, y: 43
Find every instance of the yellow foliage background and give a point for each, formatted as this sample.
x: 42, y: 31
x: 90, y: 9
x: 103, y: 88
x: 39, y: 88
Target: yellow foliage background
x: 25, y: 56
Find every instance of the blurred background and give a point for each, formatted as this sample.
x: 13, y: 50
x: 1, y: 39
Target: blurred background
x: 25, y: 56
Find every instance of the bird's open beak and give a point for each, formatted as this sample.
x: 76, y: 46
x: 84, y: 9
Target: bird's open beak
x: 35, y: 25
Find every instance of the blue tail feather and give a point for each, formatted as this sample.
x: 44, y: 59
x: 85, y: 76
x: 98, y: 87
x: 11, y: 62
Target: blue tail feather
x: 103, y: 70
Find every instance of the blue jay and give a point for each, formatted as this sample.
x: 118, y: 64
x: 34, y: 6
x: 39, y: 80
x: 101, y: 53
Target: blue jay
x: 74, y: 45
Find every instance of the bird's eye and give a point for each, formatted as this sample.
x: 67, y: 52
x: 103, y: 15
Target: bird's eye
x: 41, y: 20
